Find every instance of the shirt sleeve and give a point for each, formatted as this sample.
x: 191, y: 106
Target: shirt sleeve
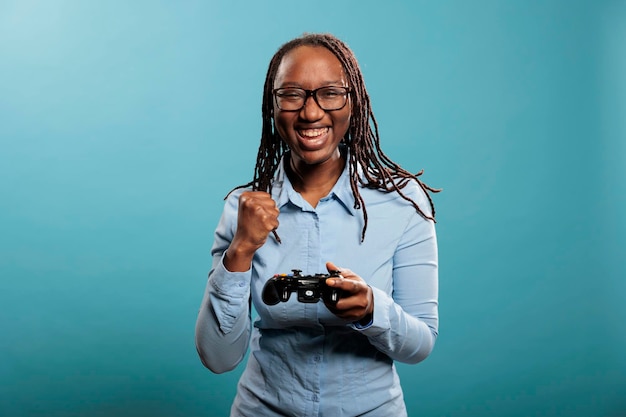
x: 405, y: 324
x: 223, y: 326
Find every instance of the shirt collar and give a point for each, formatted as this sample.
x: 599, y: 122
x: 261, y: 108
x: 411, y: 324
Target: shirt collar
x: 283, y: 192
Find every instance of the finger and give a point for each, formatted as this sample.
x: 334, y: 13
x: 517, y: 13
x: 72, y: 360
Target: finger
x: 332, y: 267
x: 349, y: 312
x: 260, y: 198
x: 265, y: 198
x: 262, y: 207
x: 354, y: 305
x: 347, y: 285
x: 268, y: 205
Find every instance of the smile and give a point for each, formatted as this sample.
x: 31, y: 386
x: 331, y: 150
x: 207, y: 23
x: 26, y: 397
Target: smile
x: 312, y: 133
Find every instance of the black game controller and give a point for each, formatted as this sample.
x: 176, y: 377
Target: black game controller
x: 310, y: 288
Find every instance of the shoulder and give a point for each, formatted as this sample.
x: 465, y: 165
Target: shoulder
x: 416, y: 192
x: 235, y: 193
x: 409, y: 190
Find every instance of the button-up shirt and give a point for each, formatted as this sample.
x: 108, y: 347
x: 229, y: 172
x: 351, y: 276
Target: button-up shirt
x: 304, y: 360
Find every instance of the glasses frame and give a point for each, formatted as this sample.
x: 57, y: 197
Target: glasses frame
x: 311, y: 93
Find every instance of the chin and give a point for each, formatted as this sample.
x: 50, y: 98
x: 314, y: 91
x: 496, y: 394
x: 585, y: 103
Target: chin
x: 315, y: 157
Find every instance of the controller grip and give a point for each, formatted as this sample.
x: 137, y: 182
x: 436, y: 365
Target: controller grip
x: 333, y: 296
x: 270, y: 294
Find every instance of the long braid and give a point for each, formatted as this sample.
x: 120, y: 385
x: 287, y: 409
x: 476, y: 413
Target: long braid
x: 362, y: 138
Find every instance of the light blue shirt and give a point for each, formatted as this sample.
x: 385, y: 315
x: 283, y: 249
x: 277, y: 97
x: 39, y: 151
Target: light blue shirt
x: 304, y: 360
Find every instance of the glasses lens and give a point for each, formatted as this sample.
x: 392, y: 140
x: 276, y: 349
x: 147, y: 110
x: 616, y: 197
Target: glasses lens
x: 290, y: 98
x: 331, y: 98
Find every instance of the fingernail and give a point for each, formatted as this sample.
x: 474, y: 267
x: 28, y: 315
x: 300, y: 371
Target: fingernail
x: 330, y: 281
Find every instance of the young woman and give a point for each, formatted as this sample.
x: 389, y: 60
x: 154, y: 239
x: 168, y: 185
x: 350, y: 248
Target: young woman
x: 324, y: 197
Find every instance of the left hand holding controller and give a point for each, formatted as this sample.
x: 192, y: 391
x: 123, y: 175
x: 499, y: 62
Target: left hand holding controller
x: 357, y: 300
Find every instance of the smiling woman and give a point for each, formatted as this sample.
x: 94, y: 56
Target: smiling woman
x: 311, y: 132
x: 321, y: 175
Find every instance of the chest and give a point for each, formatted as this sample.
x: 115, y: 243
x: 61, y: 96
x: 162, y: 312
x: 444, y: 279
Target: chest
x: 329, y: 232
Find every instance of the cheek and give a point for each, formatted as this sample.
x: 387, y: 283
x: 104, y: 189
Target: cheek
x: 281, y: 123
x: 347, y: 116
x: 344, y: 122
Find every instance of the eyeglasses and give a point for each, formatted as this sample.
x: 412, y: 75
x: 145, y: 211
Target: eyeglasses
x: 328, y: 98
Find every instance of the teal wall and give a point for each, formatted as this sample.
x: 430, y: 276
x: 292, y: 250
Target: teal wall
x: 124, y: 123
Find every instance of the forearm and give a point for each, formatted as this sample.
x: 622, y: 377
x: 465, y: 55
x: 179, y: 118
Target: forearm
x: 238, y: 258
x: 398, y: 334
x: 223, y: 325
x: 405, y: 324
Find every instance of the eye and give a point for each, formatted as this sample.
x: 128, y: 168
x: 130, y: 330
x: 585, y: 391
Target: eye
x: 290, y: 94
x: 331, y: 92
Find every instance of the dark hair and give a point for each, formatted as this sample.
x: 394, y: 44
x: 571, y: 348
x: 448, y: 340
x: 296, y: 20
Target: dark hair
x: 362, y: 139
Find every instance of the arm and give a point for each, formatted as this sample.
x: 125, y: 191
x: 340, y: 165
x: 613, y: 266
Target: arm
x: 223, y: 325
x: 404, y: 326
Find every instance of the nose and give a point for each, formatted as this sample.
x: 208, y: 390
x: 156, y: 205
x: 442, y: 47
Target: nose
x: 311, y: 110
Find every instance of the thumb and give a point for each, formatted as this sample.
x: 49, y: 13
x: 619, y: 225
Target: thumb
x: 332, y: 267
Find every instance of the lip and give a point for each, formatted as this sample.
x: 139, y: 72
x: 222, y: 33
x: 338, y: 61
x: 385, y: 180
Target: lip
x: 312, y: 138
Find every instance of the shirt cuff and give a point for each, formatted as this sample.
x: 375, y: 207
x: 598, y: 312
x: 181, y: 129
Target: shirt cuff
x: 360, y: 326
x: 230, y: 284
x: 380, y: 316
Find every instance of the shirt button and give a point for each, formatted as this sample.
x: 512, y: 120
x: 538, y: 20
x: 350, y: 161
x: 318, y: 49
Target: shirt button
x: 315, y: 398
x: 241, y: 283
x: 316, y: 358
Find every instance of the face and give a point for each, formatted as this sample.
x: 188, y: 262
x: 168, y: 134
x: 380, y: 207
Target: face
x: 312, y: 134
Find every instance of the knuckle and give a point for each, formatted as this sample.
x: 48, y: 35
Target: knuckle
x: 247, y: 202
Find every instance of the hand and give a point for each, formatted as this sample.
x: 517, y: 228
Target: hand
x: 256, y: 218
x: 357, y: 300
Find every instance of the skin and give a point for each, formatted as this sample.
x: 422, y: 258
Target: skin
x: 313, y: 136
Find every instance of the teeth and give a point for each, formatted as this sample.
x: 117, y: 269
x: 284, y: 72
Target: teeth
x: 311, y: 133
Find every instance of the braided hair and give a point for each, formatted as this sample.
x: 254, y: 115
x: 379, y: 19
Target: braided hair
x: 362, y: 139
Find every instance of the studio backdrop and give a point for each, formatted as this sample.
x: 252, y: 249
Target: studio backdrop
x: 123, y: 125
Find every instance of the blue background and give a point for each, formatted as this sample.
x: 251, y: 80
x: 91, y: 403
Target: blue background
x: 124, y: 124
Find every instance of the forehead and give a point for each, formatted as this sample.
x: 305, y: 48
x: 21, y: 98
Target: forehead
x: 309, y: 66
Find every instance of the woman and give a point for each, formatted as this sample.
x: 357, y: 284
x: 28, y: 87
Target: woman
x: 324, y: 186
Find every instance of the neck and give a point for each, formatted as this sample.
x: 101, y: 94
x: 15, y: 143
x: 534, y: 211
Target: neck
x: 314, y: 182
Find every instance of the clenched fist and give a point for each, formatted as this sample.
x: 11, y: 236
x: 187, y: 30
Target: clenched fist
x: 256, y: 218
